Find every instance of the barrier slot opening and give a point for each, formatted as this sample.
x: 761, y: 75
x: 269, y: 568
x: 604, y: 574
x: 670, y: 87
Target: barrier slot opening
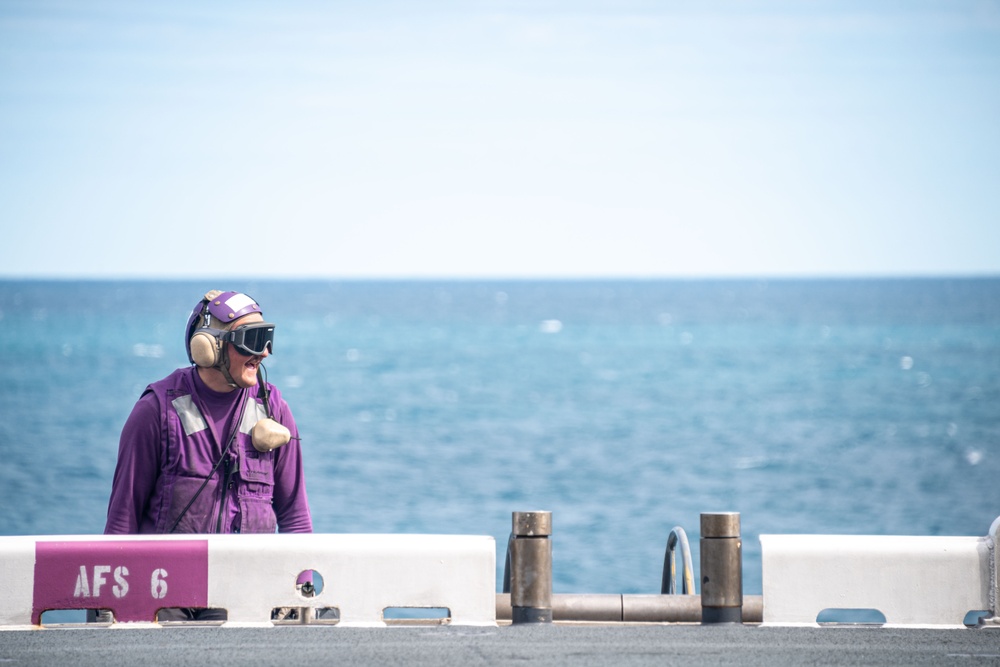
x: 836, y: 616
x: 971, y: 619
x: 72, y: 617
x: 416, y: 615
x: 192, y: 616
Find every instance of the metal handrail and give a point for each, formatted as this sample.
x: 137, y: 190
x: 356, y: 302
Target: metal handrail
x: 668, y: 583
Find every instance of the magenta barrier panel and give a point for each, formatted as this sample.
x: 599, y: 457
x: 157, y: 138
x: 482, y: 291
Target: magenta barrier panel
x: 134, y: 579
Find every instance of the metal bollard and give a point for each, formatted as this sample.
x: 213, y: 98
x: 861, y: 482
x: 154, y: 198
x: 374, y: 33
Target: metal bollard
x: 531, y: 567
x: 721, y: 568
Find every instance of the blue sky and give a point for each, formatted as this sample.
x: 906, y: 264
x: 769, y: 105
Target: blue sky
x: 499, y: 139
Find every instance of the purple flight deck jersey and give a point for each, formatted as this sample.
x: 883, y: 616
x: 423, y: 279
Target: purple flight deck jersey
x: 177, y: 432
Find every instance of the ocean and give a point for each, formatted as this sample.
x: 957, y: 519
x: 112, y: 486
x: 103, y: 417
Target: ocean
x: 624, y: 407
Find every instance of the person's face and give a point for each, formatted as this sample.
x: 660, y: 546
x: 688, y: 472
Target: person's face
x: 242, y: 367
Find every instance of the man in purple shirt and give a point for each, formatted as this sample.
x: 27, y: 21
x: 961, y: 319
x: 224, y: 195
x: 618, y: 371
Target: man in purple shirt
x: 212, y: 448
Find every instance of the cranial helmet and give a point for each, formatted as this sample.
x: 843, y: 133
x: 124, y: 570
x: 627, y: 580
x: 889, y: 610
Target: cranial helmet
x: 215, y: 312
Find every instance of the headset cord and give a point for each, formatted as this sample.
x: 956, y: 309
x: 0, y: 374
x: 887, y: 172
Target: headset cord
x: 265, y: 393
x: 262, y: 390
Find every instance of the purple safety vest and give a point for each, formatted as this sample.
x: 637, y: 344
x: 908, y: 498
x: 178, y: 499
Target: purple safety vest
x: 237, y: 496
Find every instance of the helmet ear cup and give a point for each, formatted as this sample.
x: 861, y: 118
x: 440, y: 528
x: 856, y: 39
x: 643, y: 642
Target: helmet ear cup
x: 206, y: 349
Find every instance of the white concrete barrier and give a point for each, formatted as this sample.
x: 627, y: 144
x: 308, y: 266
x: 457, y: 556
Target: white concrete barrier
x: 247, y: 575
x: 924, y: 581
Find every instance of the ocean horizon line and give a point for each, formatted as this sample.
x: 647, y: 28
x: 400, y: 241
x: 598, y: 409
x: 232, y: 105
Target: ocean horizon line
x: 777, y: 278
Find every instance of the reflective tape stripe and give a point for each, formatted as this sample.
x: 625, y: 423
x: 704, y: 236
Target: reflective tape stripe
x: 254, y: 413
x: 190, y: 415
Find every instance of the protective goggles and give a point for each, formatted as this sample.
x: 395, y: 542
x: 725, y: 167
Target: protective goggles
x: 252, y: 339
